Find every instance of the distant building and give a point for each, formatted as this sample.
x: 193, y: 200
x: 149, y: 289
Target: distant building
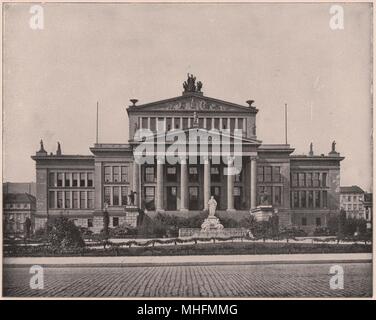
x: 302, y: 190
x: 368, y: 207
x: 17, y: 208
x: 20, y: 187
x: 352, y: 201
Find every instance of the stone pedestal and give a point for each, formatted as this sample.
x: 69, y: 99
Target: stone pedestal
x: 211, y: 223
x: 263, y: 212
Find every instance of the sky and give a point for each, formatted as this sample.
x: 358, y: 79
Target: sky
x: 271, y: 53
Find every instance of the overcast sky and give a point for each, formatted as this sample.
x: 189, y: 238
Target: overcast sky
x: 113, y: 52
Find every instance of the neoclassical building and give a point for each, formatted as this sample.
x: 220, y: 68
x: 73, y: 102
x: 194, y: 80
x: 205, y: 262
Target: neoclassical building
x: 180, y: 152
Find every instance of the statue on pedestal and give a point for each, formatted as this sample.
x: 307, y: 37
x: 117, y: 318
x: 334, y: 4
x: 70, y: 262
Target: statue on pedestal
x: 212, y: 205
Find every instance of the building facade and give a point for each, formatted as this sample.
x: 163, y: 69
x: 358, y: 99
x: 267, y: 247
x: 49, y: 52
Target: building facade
x: 180, y: 152
x: 356, y: 202
x: 18, y: 211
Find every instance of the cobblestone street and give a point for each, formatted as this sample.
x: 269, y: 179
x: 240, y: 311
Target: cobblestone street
x: 280, y: 280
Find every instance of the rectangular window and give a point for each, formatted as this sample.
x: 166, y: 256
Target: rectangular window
x: 144, y: 123
x: 89, y: 223
x: 51, y: 199
x: 324, y: 182
x: 193, y: 174
x: 90, y: 179
x: 82, y: 200
x: 215, y: 174
x: 310, y: 199
x: 160, y: 124
x: 67, y: 179
x: 260, y: 174
x: 115, y: 221
x: 169, y: 124
x: 124, y: 196
x: 90, y: 199
x: 240, y: 123
x: 318, y: 222
x: 294, y: 179
x: 304, y: 221
x: 216, y: 123
x: 317, y: 199
x: 75, y: 179
x: 171, y: 174
x: 149, y: 174
x: 82, y: 179
x: 301, y: 179
x: 303, y: 199
x: 51, y: 179
x: 115, y: 196
x: 75, y: 199
x: 277, y: 196
x: 67, y: 199
x: 276, y: 174
x: 116, y: 171
x: 124, y: 174
x: 60, y: 179
x: 265, y: 195
x: 149, y: 198
x: 185, y: 123
x: 152, y: 124
x: 267, y: 174
x: 60, y: 199
x: 316, y: 179
x: 295, y: 200
x: 107, y: 174
x: 309, y: 179
x: 107, y: 195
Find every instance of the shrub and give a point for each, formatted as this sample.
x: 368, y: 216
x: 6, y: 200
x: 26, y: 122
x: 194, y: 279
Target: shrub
x: 63, y: 233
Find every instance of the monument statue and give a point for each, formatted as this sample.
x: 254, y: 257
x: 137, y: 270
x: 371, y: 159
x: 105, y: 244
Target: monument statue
x: 190, y: 84
x: 212, y: 204
x: 195, y: 119
x: 334, y: 146
x: 311, y: 149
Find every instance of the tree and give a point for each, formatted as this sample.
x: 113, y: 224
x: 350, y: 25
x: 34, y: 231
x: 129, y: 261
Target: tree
x: 63, y: 233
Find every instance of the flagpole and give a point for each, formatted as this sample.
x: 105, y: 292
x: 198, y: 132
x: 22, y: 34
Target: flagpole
x: 97, y: 123
x: 286, y: 123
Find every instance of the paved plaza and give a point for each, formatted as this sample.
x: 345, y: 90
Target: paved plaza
x: 262, y: 280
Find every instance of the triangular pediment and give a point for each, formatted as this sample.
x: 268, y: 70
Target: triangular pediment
x: 193, y: 102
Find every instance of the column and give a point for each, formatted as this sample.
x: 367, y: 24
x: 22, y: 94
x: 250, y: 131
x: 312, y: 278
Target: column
x: 183, y: 184
x: 159, y: 198
x: 206, y: 183
x: 136, y: 183
x: 253, y: 181
x: 230, y: 186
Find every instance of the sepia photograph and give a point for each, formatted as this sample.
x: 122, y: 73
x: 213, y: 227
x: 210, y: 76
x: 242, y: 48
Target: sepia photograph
x: 187, y: 150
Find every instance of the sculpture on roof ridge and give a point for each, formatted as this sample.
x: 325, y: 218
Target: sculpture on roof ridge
x: 190, y: 84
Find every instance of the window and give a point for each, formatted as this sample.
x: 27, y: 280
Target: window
x: 149, y: 174
x: 115, y: 221
x: 193, y: 174
x: 51, y: 179
x: 301, y: 179
x: 303, y: 199
x: 75, y: 199
x: 82, y: 179
x: 115, y: 196
x: 318, y: 222
x: 317, y: 199
x: 67, y: 179
x: 325, y: 198
x: 171, y: 174
x: 316, y: 179
x: 260, y: 174
x: 355, y: 207
x: 89, y: 223
x: 294, y: 179
x: 277, y: 196
x: 185, y: 123
x: 215, y: 174
x: 124, y: 195
x: 59, y: 179
x: 60, y: 199
x: 51, y: 199
x: 354, y: 197
x: 152, y: 124
x: 240, y: 123
x: 124, y: 174
x: 90, y: 178
x: 304, y: 221
x: 67, y: 199
x: 310, y: 199
x: 149, y: 198
x: 324, y: 183
x: 107, y: 195
x: 265, y: 195
x: 116, y: 171
x: 107, y: 174
x: 295, y: 199
x: 75, y: 180
x: 144, y: 123
x: 82, y: 200
x: 276, y: 174
x: 267, y: 174
x: 309, y: 179
x: 90, y: 199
